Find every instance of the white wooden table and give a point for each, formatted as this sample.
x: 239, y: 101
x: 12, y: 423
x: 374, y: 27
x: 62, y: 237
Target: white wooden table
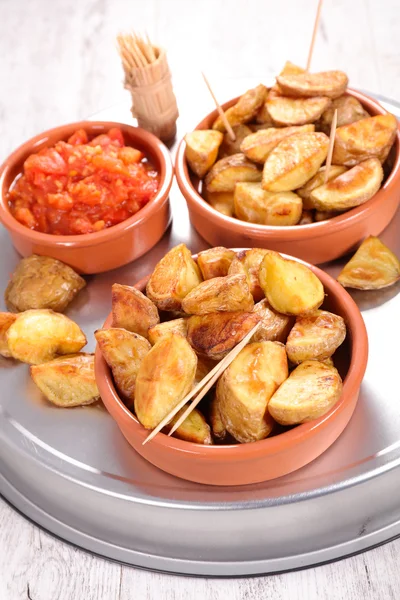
x: 59, y: 64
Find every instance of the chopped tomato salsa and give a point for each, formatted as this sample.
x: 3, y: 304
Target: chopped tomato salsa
x: 82, y: 185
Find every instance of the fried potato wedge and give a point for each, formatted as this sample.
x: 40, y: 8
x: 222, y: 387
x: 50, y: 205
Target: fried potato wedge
x: 228, y: 146
x: 352, y: 188
x: 217, y: 427
x: 220, y: 201
x: 244, y: 110
x: 255, y: 205
x: 330, y: 84
x: 263, y: 119
x: 214, y: 335
x: 366, y: 138
x: 38, y: 336
x: 257, y: 146
x: 290, y: 68
x: 310, y: 391
x: 349, y: 110
x: 176, y: 326
x: 165, y: 376
x: 202, y: 148
x: 67, y: 381
x: 315, y: 336
x: 6, y: 320
x: 42, y: 282
x: 306, y: 218
x: 248, y: 263
x: 274, y: 327
x: 245, y: 388
x: 124, y: 352
x: 220, y: 294
x: 290, y: 287
x: 132, y: 310
x: 372, y: 267
x: 174, y: 276
x: 204, y: 366
x: 319, y: 179
x: 215, y: 262
x: 194, y: 428
x: 228, y: 171
x: 295, y: 111
x: 294, y: 161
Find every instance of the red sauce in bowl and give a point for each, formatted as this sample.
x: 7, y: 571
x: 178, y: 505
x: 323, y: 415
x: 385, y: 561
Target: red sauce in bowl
x: 83, y: 186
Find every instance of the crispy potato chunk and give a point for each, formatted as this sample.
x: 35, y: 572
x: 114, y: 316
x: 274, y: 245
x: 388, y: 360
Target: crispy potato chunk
x: 67, y: 381
x: 294, y: 161
x: 255, y: 205
x: 319, y: 178
x: 165, y: 376
x: 295, y: 111
x: 202, y: 150
x: 366, y: 138
x: 220, y: 201
x: 248, y: 263
x: 174, y: 276
x: 290, y: 68
x: 259, y: 145
x: 229, y: 147
x: 245, y: 388
x: 177, y: 326
x: 311, y: 390
x: 372, y: 267
x: 352, y: 188
x: 217, y: 427
x: 349, y: 110
x: 220, y: 294
x: 194, y: 428
x: 244, y: 110
x: 330, y: 84
x: 215, y: 262
x: 315, y: 337
x: 214, y: 335
x: 124, y: 352
x: 290, y: 287
x: 132, y: 310
x: 38, y: 336
x: 274, y: 327
x: 6, y: 320
x: 42, y: 282
x: 306, y: 218
x: 263, y: 119
x: 204, y: 366
x: 230, y: 170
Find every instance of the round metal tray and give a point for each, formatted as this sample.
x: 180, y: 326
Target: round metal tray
x: 73, y: 473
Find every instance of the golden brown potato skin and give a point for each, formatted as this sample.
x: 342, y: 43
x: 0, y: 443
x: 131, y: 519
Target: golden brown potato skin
x: 228, y: 171
x: 259, y: 145
x: 274, y: 327
x: 215, y: 262
x: 319, y: 179
x: 245, y: 388
x: 349, y: 110
x: 42, y: 282
x: 132, y: 310
x: 315, y: 337
x: 178, y: 326
x: 165, y: 376
x: 255, y: 205
x: 220, y: 294
x: 220, y: 201
x: 6, y: 320
x: 202, y: 150
x: 286, y: 111
x: 67, y: 381
x: 217, y: 427
x: 244, y: 110
x: 194, y: 428
x: 330, y: 84
x: 251, y: 261
x: 228, y: 146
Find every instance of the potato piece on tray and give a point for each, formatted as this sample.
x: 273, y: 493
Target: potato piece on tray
x: 67, y: 381
x: 259, y: 145
x: 372, y: 267
x: 330, y: 84
x: 295, y: 111
x: 178, y: 326
x: 255, y: 205
x: 220, y: 201
x: 315, y: 337
x: 244, y: 110
x: 215, y: 262
x: 132, y: 310
x: 349, y: 110
x: 220, y: 294
x: 319, y: 179
x: 248, y: 262
x: 6, y: 320
x: 194, y: 428
x: 230, y: 170
x: 311, y: 390
x: 274, y: 327
x: 228, y: 146
x: 202, y: 150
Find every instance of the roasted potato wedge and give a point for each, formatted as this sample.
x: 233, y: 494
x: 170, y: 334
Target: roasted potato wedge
x: 194, y: 428
x: 42, y: 282
x: 215, y: 262
x: 244, y: 110
x: 220, y: 201
x: 257, y: 146
x: 214, y: 335
x: 228, y: 146
x: 124, y: 352
x: 349, y: 110
x: 245, y: 388
x: 295, y: 111
x: 38, y: 336
x: 290, y: 287
x: 132, y: 310
x: 290, y: 68
x: 318, y: 179
x: 315, y: 336
x: 274, y: 327
x: 372, y: 267
x: 330, y: 84
x: 255, y: 205
x: 217, y: 427
x: 263, y: 119
x: 294, y: 161
x: 352, y: 188
x: 228, y: 171
x: 202, y: 149
x: 366, y: 138
x: 177, y: 326
x: 204, y: 366
x: 165, y: 376
x: 220, y: 294
x: 311, y: 390
x: 6, y: 320
x: 250, y: 261
x: 174, y: 276
x: 306, y: 218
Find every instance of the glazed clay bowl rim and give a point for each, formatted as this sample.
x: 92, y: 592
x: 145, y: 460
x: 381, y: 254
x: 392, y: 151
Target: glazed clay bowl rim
x: 287, y: 440
x: 151, y: 144
x: 288, y: 232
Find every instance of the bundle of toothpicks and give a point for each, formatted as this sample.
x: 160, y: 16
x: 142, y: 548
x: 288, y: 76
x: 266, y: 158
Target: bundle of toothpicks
x: 148, y: 78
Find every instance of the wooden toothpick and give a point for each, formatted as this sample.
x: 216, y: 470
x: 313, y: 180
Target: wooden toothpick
x: 314, y: 34
x: 330, y: 147
x: 221, y: 112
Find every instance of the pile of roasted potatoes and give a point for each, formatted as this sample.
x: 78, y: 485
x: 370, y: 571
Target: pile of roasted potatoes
x: 273, y: 173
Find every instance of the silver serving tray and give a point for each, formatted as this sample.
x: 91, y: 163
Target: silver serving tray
x: 73, y: 473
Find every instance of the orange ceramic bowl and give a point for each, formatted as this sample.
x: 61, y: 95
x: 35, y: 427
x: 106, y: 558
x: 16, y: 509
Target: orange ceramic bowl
x: 112, y: 247
x: 241, y: 464
x: 315, y: 243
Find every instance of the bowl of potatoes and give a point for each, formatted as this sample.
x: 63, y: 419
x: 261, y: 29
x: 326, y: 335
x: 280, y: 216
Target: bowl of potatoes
x: 268, y: 188
x: 281, y: 402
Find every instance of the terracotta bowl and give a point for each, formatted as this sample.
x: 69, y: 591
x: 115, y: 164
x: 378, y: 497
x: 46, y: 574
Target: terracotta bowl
x: 107, y: 249
x: 241, y: 464
x: 315, y: 243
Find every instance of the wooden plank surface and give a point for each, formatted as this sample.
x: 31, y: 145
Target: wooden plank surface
x: 58, y: 64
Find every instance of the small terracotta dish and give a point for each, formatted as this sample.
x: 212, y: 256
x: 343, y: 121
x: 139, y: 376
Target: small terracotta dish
x: 106, y: 249
x: 317, y: 242
x: 273, y: 457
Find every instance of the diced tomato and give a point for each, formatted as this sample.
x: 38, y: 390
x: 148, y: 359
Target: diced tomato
x: 78, y: 138
x: 115, y: 135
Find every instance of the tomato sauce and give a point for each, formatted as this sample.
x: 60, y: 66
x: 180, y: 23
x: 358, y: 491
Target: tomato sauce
x: 83, y: 186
